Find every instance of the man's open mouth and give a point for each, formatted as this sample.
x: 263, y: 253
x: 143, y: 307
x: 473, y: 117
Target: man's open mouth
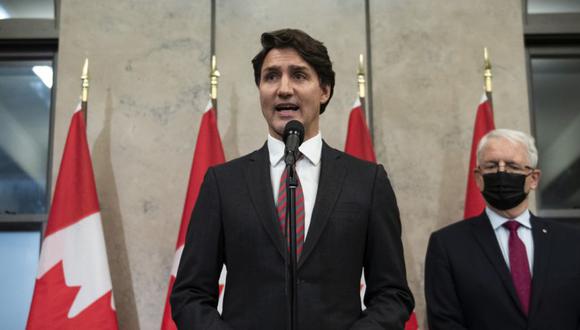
x: 286, y: 107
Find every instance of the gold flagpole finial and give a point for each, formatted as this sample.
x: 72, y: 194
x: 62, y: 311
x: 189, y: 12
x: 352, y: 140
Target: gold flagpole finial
x: 361, y: 77
x: 486, y: 71
x: 214, y: 76
x: 85, y: 81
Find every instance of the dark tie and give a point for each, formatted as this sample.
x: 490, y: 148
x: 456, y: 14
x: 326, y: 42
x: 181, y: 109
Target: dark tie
x: 519, y: 266
x: 299, y: 211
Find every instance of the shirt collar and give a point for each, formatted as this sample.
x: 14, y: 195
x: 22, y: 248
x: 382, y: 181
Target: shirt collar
x: 497, y: 220
x: 311, y: 149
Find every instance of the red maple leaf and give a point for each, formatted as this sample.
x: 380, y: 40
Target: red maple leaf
x: 52, y: 301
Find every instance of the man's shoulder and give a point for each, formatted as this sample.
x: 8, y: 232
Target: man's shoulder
x: 459, y: 228
x: 567, y: 230
x: 349, y: 160
x: 459, y: 238
x: 241, y: 162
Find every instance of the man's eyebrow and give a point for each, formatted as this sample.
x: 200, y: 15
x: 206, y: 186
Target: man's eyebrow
x: 272, y: 68
x: 291, y: 67
x: 298, y: 68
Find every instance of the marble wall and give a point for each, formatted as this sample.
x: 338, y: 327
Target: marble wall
x: 149, y: 63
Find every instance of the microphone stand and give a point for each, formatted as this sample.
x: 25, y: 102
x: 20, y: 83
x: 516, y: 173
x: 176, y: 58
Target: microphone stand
x: 291, y: 259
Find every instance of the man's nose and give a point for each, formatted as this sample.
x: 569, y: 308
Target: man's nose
x: 501, y: 166
x: 285, y: 89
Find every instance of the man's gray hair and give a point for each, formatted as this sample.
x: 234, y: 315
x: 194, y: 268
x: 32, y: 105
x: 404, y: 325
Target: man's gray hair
x: 513, y: 136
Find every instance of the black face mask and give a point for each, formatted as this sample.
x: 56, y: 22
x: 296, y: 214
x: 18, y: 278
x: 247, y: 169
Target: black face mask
x: 503, y: 190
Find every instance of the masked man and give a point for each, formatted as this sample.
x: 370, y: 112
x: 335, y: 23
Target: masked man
x: 506, y: 268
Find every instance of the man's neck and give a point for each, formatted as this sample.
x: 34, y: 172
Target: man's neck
x: 308, y: 134
x: 306, y: 137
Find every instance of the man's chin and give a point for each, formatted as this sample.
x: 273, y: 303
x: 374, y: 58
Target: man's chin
x: 277, y: 129
x: 281, y: 122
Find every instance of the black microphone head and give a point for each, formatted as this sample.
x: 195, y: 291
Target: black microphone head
x: 294, y: 127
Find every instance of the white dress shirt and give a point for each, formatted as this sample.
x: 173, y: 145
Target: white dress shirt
x: 307, y: 167
x: 502, y: 234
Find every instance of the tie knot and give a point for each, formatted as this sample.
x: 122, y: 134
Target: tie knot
x: 512, y: 225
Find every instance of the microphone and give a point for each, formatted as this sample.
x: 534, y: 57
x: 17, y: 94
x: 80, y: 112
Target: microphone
x: 293, y: 137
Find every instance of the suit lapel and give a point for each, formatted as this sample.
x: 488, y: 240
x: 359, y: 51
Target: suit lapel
x: 485, y: 236
x: 541, y: 234
x: 260, y: 188
x: 332, y: 174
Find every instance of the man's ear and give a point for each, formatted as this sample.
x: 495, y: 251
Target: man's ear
x: 535, y: 179
x: 325, y: 93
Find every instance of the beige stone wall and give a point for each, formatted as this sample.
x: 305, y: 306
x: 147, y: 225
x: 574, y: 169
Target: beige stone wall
x: 149, y: 68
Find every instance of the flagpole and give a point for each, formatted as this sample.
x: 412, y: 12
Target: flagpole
x: 487, y: 76
x: 85, y: 89
x: 362, y: 85
x: 213, y: 82
x: 213, y: 73
x: 212, y: 29
x: 369, y: 75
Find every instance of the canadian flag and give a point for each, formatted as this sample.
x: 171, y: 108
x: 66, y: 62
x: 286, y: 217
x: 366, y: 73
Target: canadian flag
x: 73, y: 286
x: 359, y: 144
x: 358, y: 138
x: 208, y: 152
x: 474, y: 203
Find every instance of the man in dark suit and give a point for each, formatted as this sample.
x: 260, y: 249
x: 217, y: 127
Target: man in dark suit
x: 349, y: 219
x: 506, y: 268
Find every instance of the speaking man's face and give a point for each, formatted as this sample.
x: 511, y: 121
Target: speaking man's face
x: 290, y: 90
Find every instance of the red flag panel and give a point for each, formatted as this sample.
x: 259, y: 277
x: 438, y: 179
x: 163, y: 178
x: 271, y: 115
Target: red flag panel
x: 358, y: 138
x: 53, y: 315
x: 75, y: 196
x: 474, y: 203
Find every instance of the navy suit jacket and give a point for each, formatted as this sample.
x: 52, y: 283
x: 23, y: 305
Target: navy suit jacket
x: 355, y: 224
x: 468, y: 284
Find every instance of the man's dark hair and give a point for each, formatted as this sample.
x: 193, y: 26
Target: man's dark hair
x: 310, y: 49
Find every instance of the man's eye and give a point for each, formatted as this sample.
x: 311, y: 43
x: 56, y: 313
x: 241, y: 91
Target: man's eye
x: 300, y: 75
x: 270, y: 76
x: 514, y: 166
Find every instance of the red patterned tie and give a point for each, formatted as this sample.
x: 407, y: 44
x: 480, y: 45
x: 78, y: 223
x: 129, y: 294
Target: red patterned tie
x: 299, y: 211
x: 519, y: 266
